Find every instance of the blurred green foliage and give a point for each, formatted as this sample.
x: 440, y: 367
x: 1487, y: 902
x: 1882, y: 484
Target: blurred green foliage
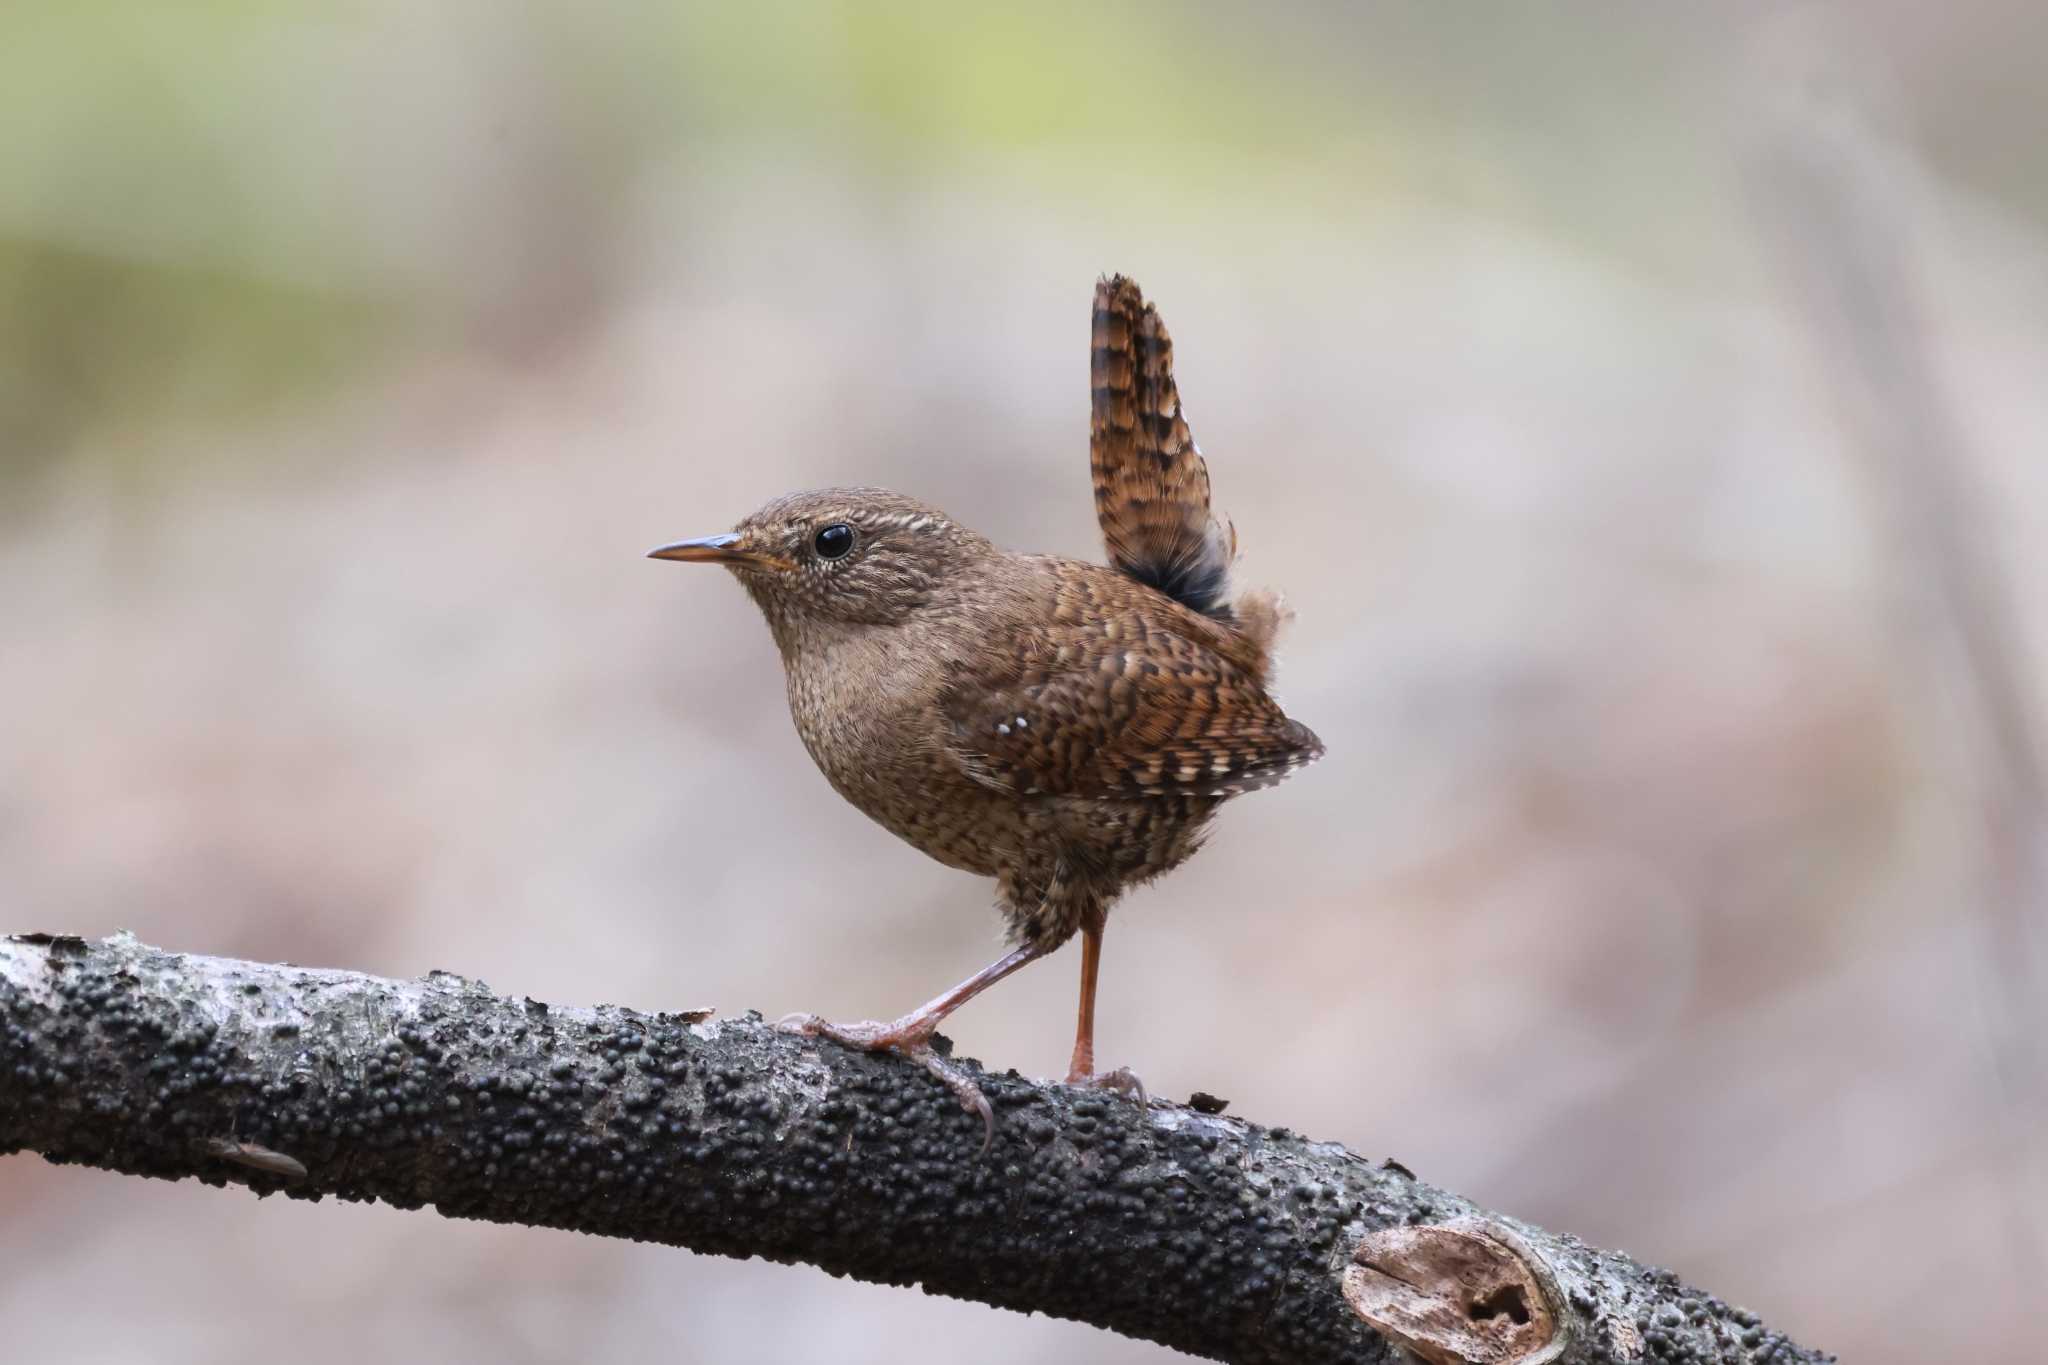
x: 91, y: 340
x: 202, y: 211
x: 210, y: 206
x: 143, y: 276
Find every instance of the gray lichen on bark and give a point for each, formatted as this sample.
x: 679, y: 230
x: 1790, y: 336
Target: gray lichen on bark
x: 1206, y: 1233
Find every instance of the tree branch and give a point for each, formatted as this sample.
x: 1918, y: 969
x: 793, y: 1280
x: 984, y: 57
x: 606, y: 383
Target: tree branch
x: 1205, y: 1233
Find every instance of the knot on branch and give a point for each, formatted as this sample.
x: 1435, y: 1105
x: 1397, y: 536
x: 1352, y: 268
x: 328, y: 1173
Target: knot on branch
x: 1467, y: 1292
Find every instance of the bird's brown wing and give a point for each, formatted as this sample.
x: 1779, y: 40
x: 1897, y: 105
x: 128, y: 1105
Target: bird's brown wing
x: 1146, y: 712
x: 1151, y: 486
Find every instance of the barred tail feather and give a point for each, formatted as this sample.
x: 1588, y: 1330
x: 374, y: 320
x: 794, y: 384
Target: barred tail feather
x: 1151, y: 485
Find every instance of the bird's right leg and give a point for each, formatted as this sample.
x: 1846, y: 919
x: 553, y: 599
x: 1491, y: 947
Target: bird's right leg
x: 912, y: 1034
x: 1082, y: 1071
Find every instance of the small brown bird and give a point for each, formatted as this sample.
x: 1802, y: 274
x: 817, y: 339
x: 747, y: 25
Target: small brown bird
x: 1065, y: 728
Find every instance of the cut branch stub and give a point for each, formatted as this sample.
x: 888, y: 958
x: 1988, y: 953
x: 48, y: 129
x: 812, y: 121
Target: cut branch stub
x: 1467, y: 1292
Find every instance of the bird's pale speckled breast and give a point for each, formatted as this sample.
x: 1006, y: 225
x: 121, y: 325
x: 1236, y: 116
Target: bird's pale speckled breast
x: 912, y: 787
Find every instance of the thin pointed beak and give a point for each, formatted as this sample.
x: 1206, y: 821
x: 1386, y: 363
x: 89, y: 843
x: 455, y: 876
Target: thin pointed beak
x: 705, y: 550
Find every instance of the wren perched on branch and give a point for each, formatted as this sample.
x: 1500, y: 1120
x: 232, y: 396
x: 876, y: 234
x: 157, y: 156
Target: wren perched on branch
x: 1065, y: 728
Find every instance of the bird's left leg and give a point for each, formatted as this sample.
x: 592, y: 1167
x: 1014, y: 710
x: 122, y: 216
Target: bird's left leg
x: 912, y: 1034
x: 1082, y: 1070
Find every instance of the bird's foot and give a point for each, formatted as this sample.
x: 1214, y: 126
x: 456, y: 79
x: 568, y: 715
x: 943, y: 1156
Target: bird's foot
x: 1122, y: 1080
x: 907, y: 1035
x: 910, y: 1036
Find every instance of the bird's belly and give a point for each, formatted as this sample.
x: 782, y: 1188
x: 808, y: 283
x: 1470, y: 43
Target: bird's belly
x: 879, y: 760
x: 926, y: 799
x: 943, y: 815
x: 886, y: 753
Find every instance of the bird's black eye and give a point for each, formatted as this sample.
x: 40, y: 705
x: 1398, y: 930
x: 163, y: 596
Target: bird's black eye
x: 834, y: 541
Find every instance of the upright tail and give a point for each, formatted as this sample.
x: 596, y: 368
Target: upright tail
x: 1151, y: 487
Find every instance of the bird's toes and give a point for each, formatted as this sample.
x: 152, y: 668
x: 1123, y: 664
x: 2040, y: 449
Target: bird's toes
x: 1122, y: 1080
x: 965, y: 1090
x: 912, y: 1037
x: 907, y: 1035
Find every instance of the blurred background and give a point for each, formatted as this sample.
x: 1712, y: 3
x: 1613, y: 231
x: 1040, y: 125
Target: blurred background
x: 1641, y: 405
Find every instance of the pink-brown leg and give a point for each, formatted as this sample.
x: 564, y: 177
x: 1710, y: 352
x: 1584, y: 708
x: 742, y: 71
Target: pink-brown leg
x: 1082, y: 1070
x: 912, y: 1034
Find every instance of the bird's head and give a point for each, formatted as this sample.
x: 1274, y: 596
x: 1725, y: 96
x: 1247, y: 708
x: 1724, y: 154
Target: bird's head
x: 856, y: 556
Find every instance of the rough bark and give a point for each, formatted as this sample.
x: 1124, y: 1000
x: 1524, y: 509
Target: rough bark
x: 1206, y: 1233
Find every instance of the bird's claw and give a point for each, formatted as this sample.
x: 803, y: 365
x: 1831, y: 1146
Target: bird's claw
x: 964, y: 1090
x: 911, y: 1038
x: 1122, y: 1080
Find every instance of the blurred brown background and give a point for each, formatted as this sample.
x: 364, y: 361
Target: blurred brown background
x: 1642, y: 407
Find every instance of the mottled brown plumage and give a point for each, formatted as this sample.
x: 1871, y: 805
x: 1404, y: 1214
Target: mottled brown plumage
x: 1064, y: 727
